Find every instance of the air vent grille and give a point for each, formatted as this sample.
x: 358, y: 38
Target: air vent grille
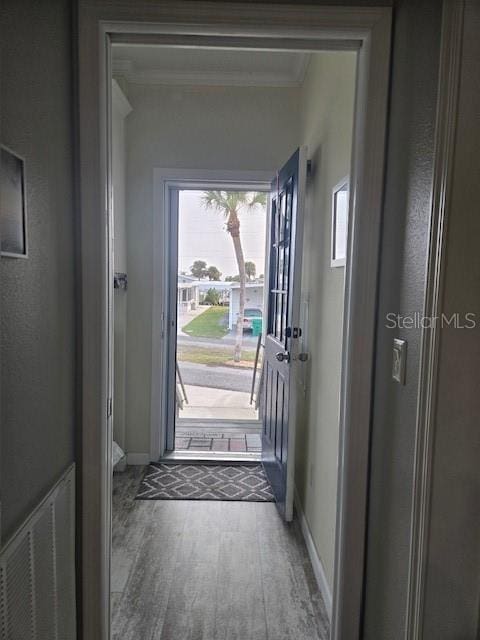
x: 37, y: 571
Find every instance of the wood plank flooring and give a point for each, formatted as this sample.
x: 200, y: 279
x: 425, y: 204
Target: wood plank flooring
x: 194, y: 570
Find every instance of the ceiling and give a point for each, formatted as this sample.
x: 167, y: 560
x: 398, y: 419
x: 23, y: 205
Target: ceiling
x: 153, y: 64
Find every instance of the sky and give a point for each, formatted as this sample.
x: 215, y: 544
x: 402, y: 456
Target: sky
x: 202, y: 236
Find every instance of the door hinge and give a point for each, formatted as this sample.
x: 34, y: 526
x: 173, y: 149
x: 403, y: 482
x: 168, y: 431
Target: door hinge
x: 293, y: 332
x: 109, y: 407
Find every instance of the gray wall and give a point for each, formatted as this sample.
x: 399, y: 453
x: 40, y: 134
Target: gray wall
x: 37, y: 295
x: 402, y: 276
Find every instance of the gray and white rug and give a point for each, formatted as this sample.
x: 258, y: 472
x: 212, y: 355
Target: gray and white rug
x: 245, y: 482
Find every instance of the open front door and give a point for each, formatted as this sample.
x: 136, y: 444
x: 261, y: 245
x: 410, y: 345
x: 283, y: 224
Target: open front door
x: 283, y: 331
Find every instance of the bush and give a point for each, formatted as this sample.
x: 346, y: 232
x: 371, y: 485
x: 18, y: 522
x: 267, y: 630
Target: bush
x: 212, y: 297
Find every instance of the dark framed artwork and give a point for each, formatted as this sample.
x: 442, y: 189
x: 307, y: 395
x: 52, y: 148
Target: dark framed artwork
x: 13, y: 210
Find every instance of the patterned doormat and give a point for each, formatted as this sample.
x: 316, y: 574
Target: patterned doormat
x: 245, y: 482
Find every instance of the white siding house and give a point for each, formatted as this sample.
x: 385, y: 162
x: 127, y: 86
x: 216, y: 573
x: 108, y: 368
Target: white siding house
x: 222, y: 287
x: 253, y: 300
x: 187, y: 293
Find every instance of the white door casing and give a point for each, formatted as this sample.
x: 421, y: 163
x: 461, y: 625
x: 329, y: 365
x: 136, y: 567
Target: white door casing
x: 165, y: 264
x: 281, y: 27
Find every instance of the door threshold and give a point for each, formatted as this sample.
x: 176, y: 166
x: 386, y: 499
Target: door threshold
x: 210, y: 456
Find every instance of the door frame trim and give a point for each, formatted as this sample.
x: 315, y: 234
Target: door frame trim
x: 163, y: 181
x: 445, y: 133
x: 266, y: 26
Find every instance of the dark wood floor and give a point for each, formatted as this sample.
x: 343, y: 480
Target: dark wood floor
x: 191, y: 570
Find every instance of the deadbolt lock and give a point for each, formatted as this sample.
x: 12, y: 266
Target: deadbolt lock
x: 293, y: 332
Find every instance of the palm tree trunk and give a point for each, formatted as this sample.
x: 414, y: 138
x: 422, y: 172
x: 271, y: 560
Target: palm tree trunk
x: 233, y: 226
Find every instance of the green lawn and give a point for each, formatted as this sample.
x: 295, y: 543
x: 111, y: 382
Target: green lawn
x: 209, y: 324
x: 217, y: 356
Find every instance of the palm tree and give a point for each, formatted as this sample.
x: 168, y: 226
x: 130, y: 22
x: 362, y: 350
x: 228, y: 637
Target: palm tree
x: 230, y: 204
x: 250, y: 270
x: 213, y: 273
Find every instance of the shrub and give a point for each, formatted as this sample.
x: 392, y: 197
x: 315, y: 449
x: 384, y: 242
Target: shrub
x: 212, y: 297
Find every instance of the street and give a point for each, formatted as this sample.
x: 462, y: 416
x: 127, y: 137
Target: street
x: 202, y: 375
x: 249, y: 342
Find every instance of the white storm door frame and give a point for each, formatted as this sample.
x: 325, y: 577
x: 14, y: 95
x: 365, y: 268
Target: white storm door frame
x: 165, y: 254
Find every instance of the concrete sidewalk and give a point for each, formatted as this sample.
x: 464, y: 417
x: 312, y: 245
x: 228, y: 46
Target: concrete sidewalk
x: 217, y: 404
x: 184, y: 318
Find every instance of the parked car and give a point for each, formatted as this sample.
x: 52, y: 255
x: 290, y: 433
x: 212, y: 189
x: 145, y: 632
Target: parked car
x: 249, y: 315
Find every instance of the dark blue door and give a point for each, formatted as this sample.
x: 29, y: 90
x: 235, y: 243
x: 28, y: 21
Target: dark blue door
x: 281, y: 341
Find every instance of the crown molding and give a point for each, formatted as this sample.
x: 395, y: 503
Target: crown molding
x: 122, y: 66
x: 126, y: 69
x: 120, y: 100
x: 301, y: 68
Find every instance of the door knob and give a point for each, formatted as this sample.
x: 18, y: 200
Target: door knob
x: 283, y: 357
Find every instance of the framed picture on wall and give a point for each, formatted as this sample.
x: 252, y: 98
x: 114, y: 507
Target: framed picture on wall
x: 13, y: 214
x: 340, y: 196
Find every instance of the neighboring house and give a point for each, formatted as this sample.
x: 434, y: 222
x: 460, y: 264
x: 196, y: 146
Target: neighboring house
x: 253, y: 300
x: 191, y: 292
x: 187, y: 293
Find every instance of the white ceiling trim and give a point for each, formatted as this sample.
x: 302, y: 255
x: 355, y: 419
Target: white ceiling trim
x: 288, y: 78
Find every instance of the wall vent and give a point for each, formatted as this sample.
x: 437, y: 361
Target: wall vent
x: 37, y: 570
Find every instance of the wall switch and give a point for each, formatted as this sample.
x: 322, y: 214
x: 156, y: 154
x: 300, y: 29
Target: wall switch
x: 399, y: 360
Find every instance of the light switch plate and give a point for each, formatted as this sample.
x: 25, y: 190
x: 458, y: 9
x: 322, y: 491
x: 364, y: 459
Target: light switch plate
x: 399, y: 360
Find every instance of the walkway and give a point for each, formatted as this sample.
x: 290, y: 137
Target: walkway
x: 216, y: 438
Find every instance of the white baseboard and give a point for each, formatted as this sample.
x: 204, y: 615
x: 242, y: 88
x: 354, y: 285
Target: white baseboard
x: 317, y: 565
x: 138, y: 458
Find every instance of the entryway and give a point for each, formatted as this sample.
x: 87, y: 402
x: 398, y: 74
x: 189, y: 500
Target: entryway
x: 262, y: 133
x: 232, y: 345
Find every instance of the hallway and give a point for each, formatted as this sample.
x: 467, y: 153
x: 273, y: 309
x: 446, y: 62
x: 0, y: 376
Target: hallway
x: 209, y: 571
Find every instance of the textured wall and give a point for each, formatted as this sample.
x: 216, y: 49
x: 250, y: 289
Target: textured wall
x: 327, y: 119
x: 402, y: 279
x: 228, y: 128
x: 37, y: 295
